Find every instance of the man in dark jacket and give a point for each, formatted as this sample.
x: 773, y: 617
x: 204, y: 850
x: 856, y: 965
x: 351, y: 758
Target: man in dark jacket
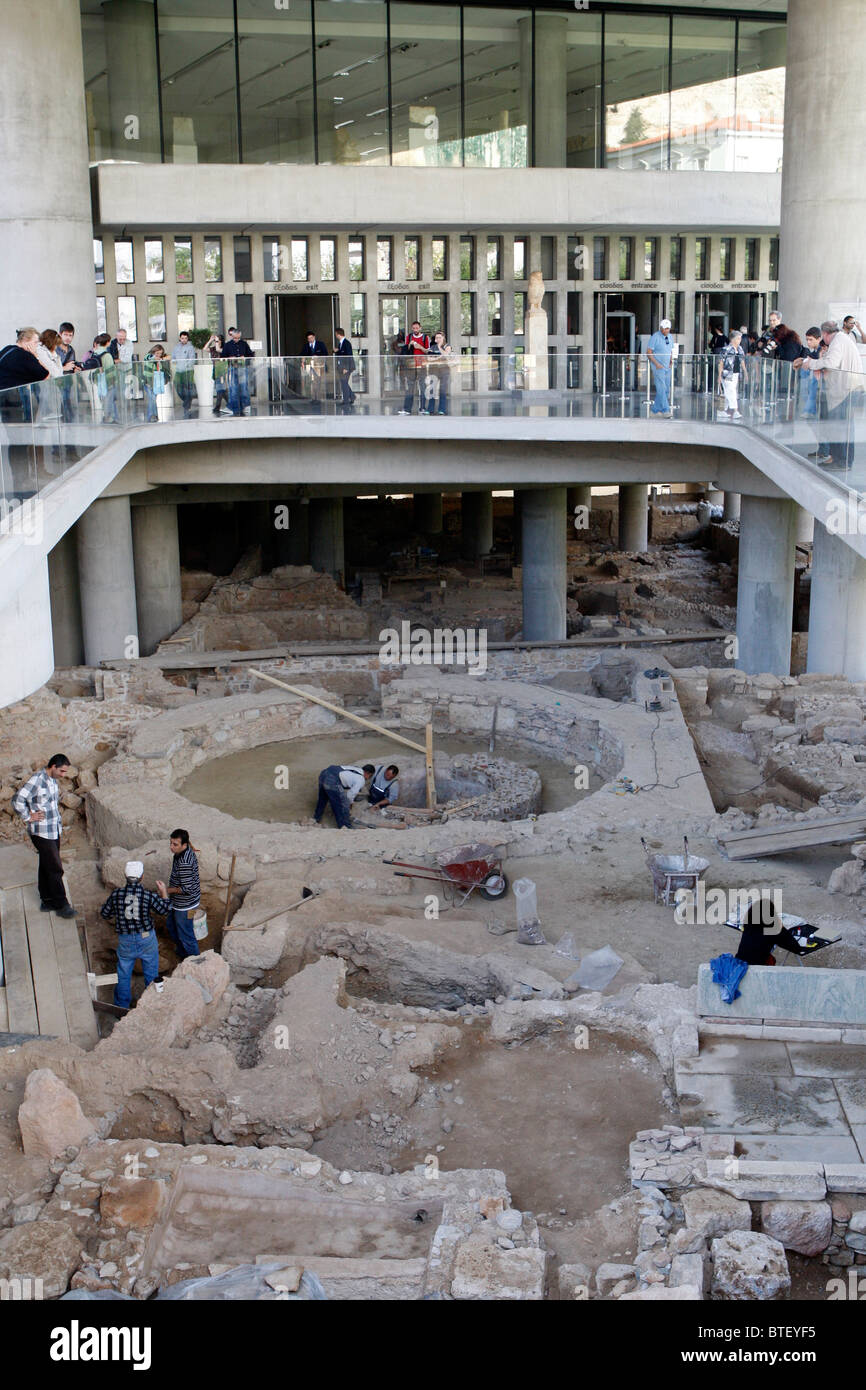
x: 19, y: 366
x: 345, y: 367
x: 238, y: 383
x: 316, y: 371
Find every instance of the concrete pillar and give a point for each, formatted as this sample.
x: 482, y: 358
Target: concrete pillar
x: 293, y: 545
x: 544, y: 564
x: 156, y: 557
x: 326, y: 536
x: 837, y: 608
x: 765, y: 586
x: 732, y: 506
x: 805, y: 527
x: 633, y: 517
x: 580, y: 496
x: 107, y: 573
x: 427, y: 513
x: 826, y: 44
x: 66, y: 602
x: 551, y: 91
x: 715, y: 497
x: 477, y: 524
x: 46, y: 233
x: 517, y: 525
x: 133, y: 85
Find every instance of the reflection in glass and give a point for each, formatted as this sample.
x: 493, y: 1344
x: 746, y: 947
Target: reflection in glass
x: 582, y: 95
x: 213, y: 258
x: 271, y: 258
x: 494, y: 257
x: 576, y: 258
x: 497, y: 64
x: 727, y: 258
x: 357, y: 269
x: 327, y: 258
x: 300, y: 258
x: 120, y: 80
x: 384, y: 248
x: 243, y: 258
x: 244, y: 315
x: 439, y: 251
x: 626, y: 257
x: 753, y: 258
x: 599, y: 258
x: 774, y: 258
x: 412, y: 257
x: 520, y: 258
x: 760, y: 97
x: 352, y: 81
x: 548, y: 257
x: 637, y: 100
x: 98, y: 261
x: 275, y: 58
x: 156, y: 329
x: 494, y: 313
x: 185, y: 313
x: 197, y: 66
x: 124, y: 270
x: 519, y: 311
x: 703, y: 96
x: 215, y: 314
x: 127, y: 316
x: 358, y: 315
x: 650, y: 257
x: 101, y: 316
x: 467, y: 258
x: 425, y: 85
x: 430, y: 312
x: 676, y: 258
x: 154, y: 269
x: 467, y: 313
x: 182, y: 258
x: 702, y: 257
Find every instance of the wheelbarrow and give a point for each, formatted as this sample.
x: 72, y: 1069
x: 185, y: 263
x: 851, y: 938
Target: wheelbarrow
x: 673, y: 872
x: 459, y: 872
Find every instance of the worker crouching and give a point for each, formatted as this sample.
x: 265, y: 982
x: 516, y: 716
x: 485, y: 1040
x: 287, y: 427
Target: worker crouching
x: 339, y: 785
x: 131, y: 908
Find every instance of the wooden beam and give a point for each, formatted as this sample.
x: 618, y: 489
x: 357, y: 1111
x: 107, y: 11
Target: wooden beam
x: 336, y: 709
x: 777, y: 839
x: 428, y: 760
x: 229, y: 891
x: 47, y: 984
x: 20, y: 999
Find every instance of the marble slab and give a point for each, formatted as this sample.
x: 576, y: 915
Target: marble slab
x: 807, y: 994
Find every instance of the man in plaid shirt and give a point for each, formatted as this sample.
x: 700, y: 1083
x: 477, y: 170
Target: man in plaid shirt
x: 131, y: 907
x: 38, y: 805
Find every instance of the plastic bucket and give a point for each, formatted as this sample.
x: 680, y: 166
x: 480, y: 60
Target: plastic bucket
x: 199, y: 924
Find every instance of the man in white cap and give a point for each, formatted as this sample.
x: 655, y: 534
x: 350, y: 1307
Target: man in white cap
x: 660, y: 351
x: 131, y: 907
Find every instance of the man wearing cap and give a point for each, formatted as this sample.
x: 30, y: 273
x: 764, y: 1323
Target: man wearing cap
x: 131, y: 907
x: 660, y: 351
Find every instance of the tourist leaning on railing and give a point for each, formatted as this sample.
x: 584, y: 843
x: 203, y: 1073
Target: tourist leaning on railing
x: 156, y: 371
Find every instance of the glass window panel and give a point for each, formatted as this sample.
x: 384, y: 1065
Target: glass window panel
x: 583, y: 87
x: 127, y: 316
x: 425, y: 85
x: 275, y: 60
x: 154, y: 262
x: 412, y: 257
x: 101, y: 316
x: 182, y: 258
x: 431, y: 313
x: 494, y: 258
x: 156, y: 329
x: 497, y: 91
x: 702, y: 257
x: 327, y: 258
x: 520, y: 271
x: 216, y: 313
x: 244, y: 315
x: 675, y: 310
x: 494, y: 313
x: 753, y: 258
x: 213, y: 258
x: 519, y: 311
x: 467, y: 258
x: 352, y: 82
x: 468, y: 375
x: 728, y: 258
x: 185, y: 313
x: 358, y: 315
x: 650, y: 257
x: 120, y: 81
x: 197, y: 65
x: 548, y: 304
x: 439, y: 252
x: 676, y: 258
x: 637, y: 101
x: 300, y: 258
x: 703, y: 93
x: 760, y: 97
x: 494, y: 369
x: 467, y: 313
x: 272, y: 258
x: 98, y: 261
x: 357, y: 267
x: 384, y: 256
x: 243, y: 258
x: 548, y: 257
x: 124, y: 268
x: 599, y: 258
x: 572, y: 309
x: 774, y: 258
x: 576, y: 258
x: 626, y: 257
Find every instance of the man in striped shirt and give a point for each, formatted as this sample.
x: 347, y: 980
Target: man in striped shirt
x: 184, y: 894
x: 38, y: 805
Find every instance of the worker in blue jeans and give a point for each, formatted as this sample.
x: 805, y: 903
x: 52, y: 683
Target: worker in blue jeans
x: 131, y: 908
x: 184, y: 895
x: 339, y: 784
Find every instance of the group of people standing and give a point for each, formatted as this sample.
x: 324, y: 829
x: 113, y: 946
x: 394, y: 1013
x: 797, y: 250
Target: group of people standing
x: 426, y: 369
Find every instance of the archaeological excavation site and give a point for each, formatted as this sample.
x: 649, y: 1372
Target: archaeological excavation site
x: 483, y: 1028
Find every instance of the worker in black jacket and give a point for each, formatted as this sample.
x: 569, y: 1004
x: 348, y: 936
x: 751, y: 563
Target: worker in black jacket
x: 345, y: 367
x: 238, y: 384
x: 314, y: 370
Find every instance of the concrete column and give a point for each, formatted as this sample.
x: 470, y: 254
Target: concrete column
x: 477, y: 524
x: 156, y: 556
x: 765, y: 587
x: 837, y: 608
x: 633, y: 517
x: 824, y: 44
x: 427, y: 513
x: 133, y: 85
x: 46, y: 233
x: 580, y: 496
x: 107, y: 573
x: 26, y: 654
x: 732, y: 506
x: 64, y: 582
x: 715, y: 497
x: 544, y: 564
x: 805, y: 527
x: 293, y: 546
x: 551, y: 90
x: 517, y: 525
x: 326, y: 536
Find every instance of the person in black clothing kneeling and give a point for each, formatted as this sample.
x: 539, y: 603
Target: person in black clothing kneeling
x: 756, y: 944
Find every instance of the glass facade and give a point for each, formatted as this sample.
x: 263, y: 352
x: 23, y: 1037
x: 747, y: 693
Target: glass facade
x: 411, y: 83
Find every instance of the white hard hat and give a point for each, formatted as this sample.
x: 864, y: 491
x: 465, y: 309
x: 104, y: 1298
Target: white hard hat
x: 134, y: 868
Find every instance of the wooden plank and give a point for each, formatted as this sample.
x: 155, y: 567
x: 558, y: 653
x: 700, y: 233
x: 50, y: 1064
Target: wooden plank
x: 80, y: 1017
x: 4, y: 1013
x: 335, y: 709
x: 428, y: 766
x: 20, y: 999
x: 47, y: 985
x: 831, y: 830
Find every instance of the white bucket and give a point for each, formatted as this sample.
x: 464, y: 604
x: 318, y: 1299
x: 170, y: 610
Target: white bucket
x: 199, y: 924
